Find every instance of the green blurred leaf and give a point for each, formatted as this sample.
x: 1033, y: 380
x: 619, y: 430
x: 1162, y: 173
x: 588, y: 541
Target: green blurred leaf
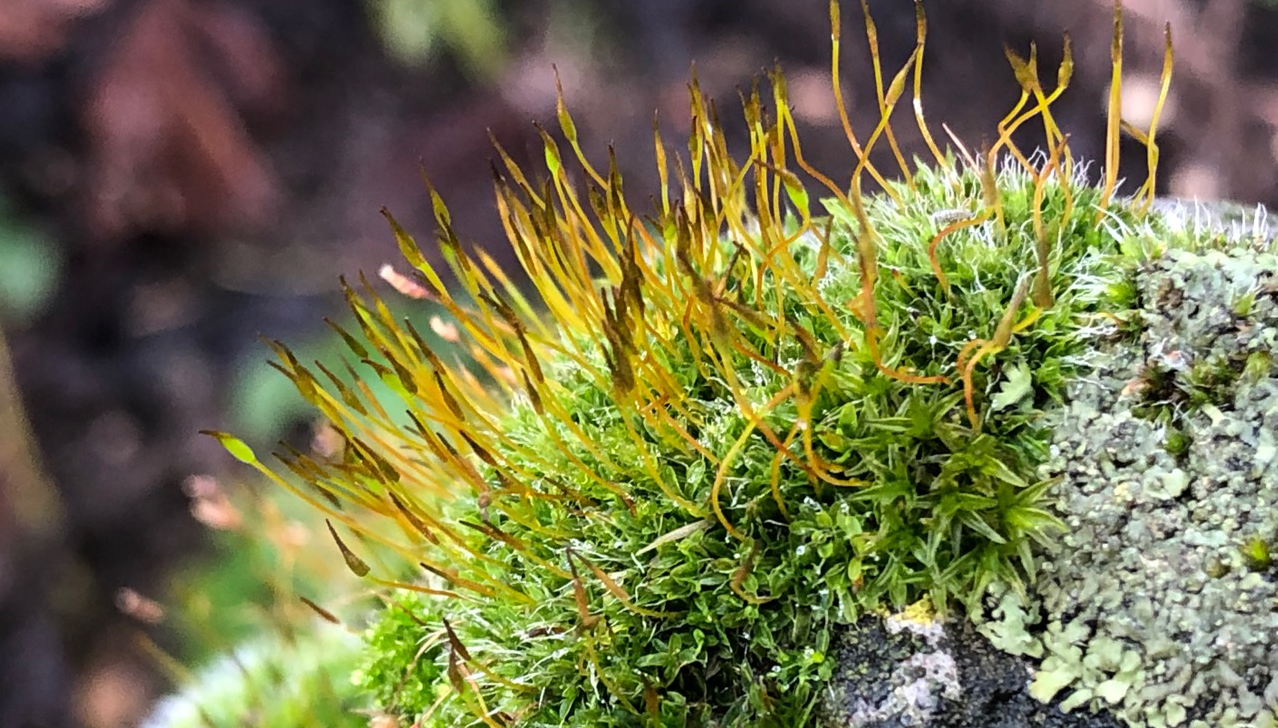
x: 29, y: 264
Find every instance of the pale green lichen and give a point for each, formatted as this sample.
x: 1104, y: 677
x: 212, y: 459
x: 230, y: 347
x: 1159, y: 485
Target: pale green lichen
x: 1153, y: 606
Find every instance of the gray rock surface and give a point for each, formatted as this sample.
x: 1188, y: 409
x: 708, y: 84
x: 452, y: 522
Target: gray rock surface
x: 900, y: 672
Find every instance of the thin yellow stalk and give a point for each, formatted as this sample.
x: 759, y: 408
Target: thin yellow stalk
x: 1114, y: 117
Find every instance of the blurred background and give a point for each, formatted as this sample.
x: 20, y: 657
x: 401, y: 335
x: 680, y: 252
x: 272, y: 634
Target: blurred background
x: 179, y: 177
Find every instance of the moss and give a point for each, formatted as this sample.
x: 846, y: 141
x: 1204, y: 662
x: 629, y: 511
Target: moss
x: 739, y: 625
x: 251, y: 617
x: 401, y: 665
x: 1256, y: 554
x: 272, y: 681
x: 727, y: 429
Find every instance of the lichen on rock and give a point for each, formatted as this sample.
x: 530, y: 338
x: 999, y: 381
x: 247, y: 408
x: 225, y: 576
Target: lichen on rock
x: 896, y: 672
x: 1157, y: 603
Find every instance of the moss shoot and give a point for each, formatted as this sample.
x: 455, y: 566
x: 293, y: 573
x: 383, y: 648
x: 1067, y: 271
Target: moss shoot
x: 704, y: 436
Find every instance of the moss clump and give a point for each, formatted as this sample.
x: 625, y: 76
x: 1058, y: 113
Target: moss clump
x: 272, y: 681
x: 739, y: 625
x: 247, y: 615
x: 736, y: 425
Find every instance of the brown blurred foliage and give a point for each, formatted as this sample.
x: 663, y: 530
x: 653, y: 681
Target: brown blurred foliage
x: 166, y: 111
x: 168, y: 148
x: 32, y: 30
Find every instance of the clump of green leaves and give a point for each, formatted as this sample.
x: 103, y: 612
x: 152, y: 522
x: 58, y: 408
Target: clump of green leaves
x: 725, y: 428
x: 28, y: 268
x: 470, y: 30
x: 250, y: 615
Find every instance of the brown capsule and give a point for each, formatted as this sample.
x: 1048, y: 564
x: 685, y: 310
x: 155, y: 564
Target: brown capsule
x: 324, y: 614
x: 357, y: 565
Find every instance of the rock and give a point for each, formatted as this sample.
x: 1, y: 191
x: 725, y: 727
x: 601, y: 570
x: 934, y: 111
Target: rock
x: 904, y: 671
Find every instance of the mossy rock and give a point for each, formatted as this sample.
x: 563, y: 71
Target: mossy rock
x: 728, y: 432
x: 1160, y: 603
